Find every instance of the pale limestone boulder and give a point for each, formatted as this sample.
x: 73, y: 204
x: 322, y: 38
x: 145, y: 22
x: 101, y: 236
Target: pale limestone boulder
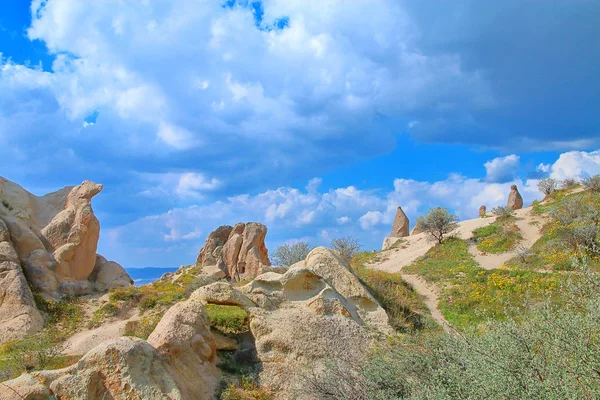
x: 239, y: 252
x: 401, y: 224
x: 109, y: 275
x: 515, y: 200
x: 74, y: 232
x: 18, y: 313
x: 222, y: 293
x: 223, y: 342
x: 25, y: 387
x: 39, y: 270
x: 184, y: 339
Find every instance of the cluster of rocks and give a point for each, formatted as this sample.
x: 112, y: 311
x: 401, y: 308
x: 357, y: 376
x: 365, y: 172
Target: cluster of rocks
x: 235, y: 252
x: 317, y: 310
x: 48, y: 243
x: 515, y: 201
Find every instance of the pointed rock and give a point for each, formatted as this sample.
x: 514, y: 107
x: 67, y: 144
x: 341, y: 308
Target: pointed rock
x: 400, y: 228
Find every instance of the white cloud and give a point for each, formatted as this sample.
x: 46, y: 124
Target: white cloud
x: 370, y: 219
x: 576, y: 164
x: 343, y: 220
x: 502, y: 169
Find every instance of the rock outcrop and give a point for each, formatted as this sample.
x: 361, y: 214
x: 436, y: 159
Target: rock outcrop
x: 18, y: 313
x: 237, y: 252
x: 316, y: 310
x: 401, y: 224
x: 515, y: 200
x: 177, y: 363
x: 482, y: 211
x: 56, y: 237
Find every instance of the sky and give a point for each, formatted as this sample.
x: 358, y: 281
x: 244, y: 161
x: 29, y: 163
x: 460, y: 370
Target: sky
x: 315, y: 117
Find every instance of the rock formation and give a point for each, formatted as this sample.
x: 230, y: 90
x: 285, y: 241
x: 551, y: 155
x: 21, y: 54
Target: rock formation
x: 315, y: 311
x: 237, y: 252
x: 400, y: 227
x: 515, y: 201
x: 177, y: 362
x: 50, y: 242
x: 418, y: 227
x: 18, y: 313
x: 482, y: 211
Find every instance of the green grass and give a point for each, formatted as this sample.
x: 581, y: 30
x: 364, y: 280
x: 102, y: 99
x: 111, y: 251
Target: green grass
x: 470, y: 294
x: 446, y: 263
x: 142, y: 328
x: 228, y: 319
x: 497, y: 238
x: 404, y: 306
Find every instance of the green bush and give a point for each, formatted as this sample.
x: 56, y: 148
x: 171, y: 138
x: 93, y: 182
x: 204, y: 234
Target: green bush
x: 66, y: 314
x: 228, y: 319
x: 142, y: 328
x: 438, y: 223
x: 287, y: 254
x: 246, y: 389
x: 346, y: 247
x: 592, y: 183
x: 108, y: 310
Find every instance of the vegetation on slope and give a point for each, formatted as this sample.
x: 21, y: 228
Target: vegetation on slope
x: 499, y: 237
x: 405, y: 307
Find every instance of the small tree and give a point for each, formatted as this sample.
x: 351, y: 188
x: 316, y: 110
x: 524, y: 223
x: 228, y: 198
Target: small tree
x: 346, y: 247
x: 287, y: 255
x: 547, y: 185
x: 592, y: 183
x: 568, y: 183
x: 503, y: 213
x: 439, y: 223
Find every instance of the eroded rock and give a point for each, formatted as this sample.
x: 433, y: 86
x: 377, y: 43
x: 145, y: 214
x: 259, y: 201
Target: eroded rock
x: 401, y: 224
x: 515, y: 200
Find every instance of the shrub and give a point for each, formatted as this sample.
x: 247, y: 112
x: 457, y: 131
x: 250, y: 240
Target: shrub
x: 106, y: 311
x: 346, y: 247
x: 503, y: 213
x: 592, y: 183
x: 439, y: 223
x: 287, y: 255
x: 65, y: 313
x: 142, y: 328
x: 228, y: 319
x: 246, y: 389
x: 547, y: 185
x: 32, y: 352
x: 569, y: 183
x: 132, y: 293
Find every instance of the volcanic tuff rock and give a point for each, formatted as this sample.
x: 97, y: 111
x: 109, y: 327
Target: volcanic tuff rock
x: 177, y: 363
x: 18, y: 314
x: 515, y: 201
x: 53, y: 240
x: 235, y: 252
x: 482, y: 211
x: 315, y: 311
x: 401, y: 224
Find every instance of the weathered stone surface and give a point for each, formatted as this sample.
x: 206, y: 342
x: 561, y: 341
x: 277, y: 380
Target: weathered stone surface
x: 388, y: 242
x: 184, y: 339
x: 238, y: 251
x: 55, y: 237
x: 18, y: 313
x: 482, y: 211
x: 177, y: 363
x: 223, y: 342
x: 515, y: 200
x: 109, y: 275
x: 401, y: 224
x: 74, y: 232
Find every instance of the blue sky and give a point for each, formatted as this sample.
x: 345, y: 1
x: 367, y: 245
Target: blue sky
x: 315, y: 117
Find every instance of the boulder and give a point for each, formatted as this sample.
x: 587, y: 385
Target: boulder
x: 482, y: 211
x: 184, y: 339
x: 18, y: 313
x: 418, y: 227
x: 109, y: 275
x: 74, y: 232
x: 401, y: 224
x: 388, y: 242
x: 239, y: 252
x: 515, y: 200
x: 177, y: 363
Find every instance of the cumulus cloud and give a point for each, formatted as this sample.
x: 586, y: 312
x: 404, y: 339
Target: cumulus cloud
x: 576, y: 164
x: 502, y: 169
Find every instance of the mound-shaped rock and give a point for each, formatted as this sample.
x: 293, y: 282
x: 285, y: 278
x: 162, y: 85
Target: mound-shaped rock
x: 235, y: 252
x: 515, y: 200
x: 177, y: 363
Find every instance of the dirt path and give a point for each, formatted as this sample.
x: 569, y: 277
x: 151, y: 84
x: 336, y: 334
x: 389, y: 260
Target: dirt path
x: 530, y: 230
x: 430, y: 297
x: 82, y: 342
